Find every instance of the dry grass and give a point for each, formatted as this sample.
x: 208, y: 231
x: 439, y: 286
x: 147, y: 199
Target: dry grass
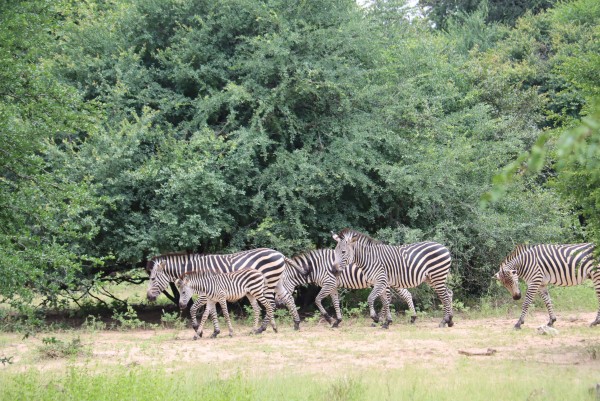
x: 353, y: 362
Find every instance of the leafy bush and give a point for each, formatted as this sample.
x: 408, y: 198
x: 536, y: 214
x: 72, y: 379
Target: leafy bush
x: 173, y: 320
x: 128, y: 320
x: 55, y: 348
x: 93, y: 324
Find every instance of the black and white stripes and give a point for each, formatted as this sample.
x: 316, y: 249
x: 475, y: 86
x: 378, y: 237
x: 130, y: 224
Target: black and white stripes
x: 402, y: 266
x: 320, y: 266
x: 223, y: 287
x: 540, y: 265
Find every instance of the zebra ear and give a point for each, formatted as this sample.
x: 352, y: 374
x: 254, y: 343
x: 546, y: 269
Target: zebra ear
x: 353, y: 239
x: 335, y: 237
x: 178, y: 282
x: 160, y: 266
x: 497, y: 276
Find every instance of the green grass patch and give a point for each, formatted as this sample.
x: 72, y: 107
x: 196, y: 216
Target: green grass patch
x: 472, y: 379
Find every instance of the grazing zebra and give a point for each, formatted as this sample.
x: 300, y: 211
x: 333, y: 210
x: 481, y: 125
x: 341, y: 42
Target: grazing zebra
x: 540, y: 265
x: 223, y: 287
x: 403, y: 266
x: 319, y: 264
x: 269, y: 262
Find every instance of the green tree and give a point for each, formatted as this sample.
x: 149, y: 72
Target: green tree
x: 442, y: 11
x: 44, y: 213
x: 561, y: 48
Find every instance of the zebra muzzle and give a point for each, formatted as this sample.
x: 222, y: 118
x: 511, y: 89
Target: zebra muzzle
x: 517, y: 296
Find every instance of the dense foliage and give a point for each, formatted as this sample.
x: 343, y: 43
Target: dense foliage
x: 138, y: 127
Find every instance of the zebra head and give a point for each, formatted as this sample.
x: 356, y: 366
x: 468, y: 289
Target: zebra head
x: 158, y: 280
x: 185, y: 292
x: 344, y: 251
x: 510, y: 280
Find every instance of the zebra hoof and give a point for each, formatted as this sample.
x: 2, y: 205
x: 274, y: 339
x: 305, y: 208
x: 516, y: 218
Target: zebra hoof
x: 195, y: 326
x: 517, y: 327
x: 327, y: 317
x: 385, y: 326
x: 450, y: 323
x: 336, y: 324
x: 296, y: 326
x: 551, y: 322
x: 196, y: 336
x: 373, y: 324
x: 215, y: 334
x: 413, y: 319
x: 595, y: 323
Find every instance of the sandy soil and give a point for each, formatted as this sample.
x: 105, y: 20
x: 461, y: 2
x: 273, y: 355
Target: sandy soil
x: 317, y: 349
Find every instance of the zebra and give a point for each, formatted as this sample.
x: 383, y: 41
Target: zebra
x: 319, y: 264
x: 269, y: 262
x: 220, y: 288
x: 403, y: 266
x: 543, y: 264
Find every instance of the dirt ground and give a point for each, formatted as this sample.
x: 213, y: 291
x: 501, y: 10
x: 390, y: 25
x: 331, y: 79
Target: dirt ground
x: 318, y: 349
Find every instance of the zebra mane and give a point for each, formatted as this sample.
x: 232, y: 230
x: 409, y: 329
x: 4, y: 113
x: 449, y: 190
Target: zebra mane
x: 518, y: 251
x: 360, y: 237
x: 150, y: 262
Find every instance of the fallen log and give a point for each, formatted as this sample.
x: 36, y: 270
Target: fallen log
x: 486, y: 352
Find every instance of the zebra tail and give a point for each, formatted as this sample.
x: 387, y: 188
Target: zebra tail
x: 290, y: 262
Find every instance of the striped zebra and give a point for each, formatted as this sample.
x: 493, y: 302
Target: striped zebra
x: 540, y: 265
x: 319, y: 264
x: 404, y: 266
x: 220, y: 288
x: 269, y: 262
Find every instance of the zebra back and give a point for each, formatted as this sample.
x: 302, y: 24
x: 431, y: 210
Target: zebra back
x: 268, y: 262
x: 561, y: 264
x: 234, y: 284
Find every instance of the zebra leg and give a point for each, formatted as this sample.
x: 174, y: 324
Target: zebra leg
x: 388, y: 312
x: 445, y: 295
x: 269, y: 296
x: 320, y: 296
x: 377, y: 292
x: 194, y: 312
x: 546, y: 297
x: 596, y: 280
x: 215, y: 319
x: 207, y: 311
x: 532, y: 289
x: 284, y: 297
x: 289, y: 303
x: 223, y: 303
x: 335, y: 299
x: 407, y: 297
x: 256, y: 310
x: 385, y: 313
x: 269, y: 317
x: 450, y: 300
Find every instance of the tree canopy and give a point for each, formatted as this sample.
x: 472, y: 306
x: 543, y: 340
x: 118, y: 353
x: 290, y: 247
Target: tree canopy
x: 138, y: 127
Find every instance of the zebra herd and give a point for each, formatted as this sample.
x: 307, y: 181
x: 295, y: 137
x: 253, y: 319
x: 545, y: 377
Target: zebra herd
x: 266, y: 277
